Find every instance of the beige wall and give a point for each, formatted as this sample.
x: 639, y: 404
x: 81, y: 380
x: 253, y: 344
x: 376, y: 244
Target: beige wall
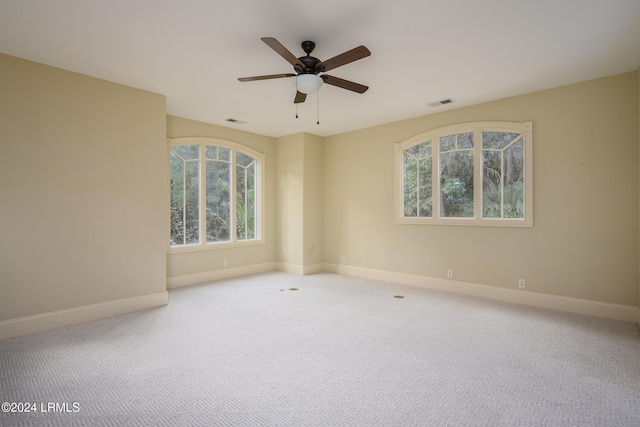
x: 313, y: 245
x: 81, y: 190
x: 290, y: 202
x: 193, y: 263
x: 83, y: 213
x: 584, y: 242
x: 300, y: 200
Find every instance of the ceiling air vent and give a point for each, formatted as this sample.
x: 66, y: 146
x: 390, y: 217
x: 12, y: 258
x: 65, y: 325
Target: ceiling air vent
x: 439, y: 103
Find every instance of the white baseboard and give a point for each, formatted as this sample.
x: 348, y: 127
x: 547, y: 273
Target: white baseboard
x: 605, y: 310
x: 71, y: 316
x: 211, y: 276
x: 290, y: 268
x: 300, y: 269
x: 55, y: 319
x: 313, y: 268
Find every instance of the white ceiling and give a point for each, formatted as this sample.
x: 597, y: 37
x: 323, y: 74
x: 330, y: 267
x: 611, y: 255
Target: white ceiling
x: 423, y: 51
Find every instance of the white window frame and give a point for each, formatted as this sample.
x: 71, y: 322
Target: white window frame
x: 477, y: 128
x: 234, y: 147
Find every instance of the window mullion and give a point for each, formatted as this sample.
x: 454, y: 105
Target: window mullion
x: 246, y: 210
x: 233, y: 235
x: 417, y: 187
x: 477, y: 174
x: 435, y: 177
x: 203, y: 194
x: 502, y: 183
x: 184, y: 202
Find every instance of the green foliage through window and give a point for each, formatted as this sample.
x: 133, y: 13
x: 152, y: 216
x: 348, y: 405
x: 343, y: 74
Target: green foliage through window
x: 221, y: 168
x: 417, y: 180
x: 502, y: 175
x: 476, y: 171
x: 184, y: 165
x: 456, y: 175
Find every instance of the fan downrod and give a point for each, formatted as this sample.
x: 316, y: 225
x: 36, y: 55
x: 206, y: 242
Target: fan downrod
x: 309, y: 61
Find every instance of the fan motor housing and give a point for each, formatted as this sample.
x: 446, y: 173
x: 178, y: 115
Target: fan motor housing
x: 310, y: 63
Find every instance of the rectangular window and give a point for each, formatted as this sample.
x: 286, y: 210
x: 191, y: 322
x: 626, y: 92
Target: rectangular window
x: 185, y: 163
x: 502, y: 175
x: 215, y: 194
x: 417, y: 180
x: 218, y: 193
x: 456, y: 175
x: 482, y: 176
x: 245, y: 200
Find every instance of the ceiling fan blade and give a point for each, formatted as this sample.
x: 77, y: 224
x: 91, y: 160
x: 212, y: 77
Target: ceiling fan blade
x: 300, y: 97
x: 271, y: 76
x: 284, y: 52
x: 342, y: 59
x: 344, y: 84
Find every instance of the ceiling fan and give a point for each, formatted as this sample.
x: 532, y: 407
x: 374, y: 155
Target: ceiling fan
x: 307, y: 69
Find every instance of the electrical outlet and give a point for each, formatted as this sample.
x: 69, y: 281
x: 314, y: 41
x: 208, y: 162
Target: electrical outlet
x: 225, y: 263
x: 450, y: 274
x: 344, y: 259
x: 521, y: 283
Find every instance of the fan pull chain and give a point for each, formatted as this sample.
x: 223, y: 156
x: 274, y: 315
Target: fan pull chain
x: 318, y: 107
x: 296, y: 111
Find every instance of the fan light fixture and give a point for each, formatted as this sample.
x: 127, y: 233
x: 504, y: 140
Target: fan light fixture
x: 308, y: 83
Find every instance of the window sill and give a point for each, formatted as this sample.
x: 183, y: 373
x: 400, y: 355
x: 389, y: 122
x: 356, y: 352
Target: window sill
x: 472, y: 222
x: 213, y: 246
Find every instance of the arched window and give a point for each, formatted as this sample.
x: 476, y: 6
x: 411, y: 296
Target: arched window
x: 215, y: 194
x: 468, y: 174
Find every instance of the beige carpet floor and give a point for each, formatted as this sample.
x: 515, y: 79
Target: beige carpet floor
x: 338, y: 351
